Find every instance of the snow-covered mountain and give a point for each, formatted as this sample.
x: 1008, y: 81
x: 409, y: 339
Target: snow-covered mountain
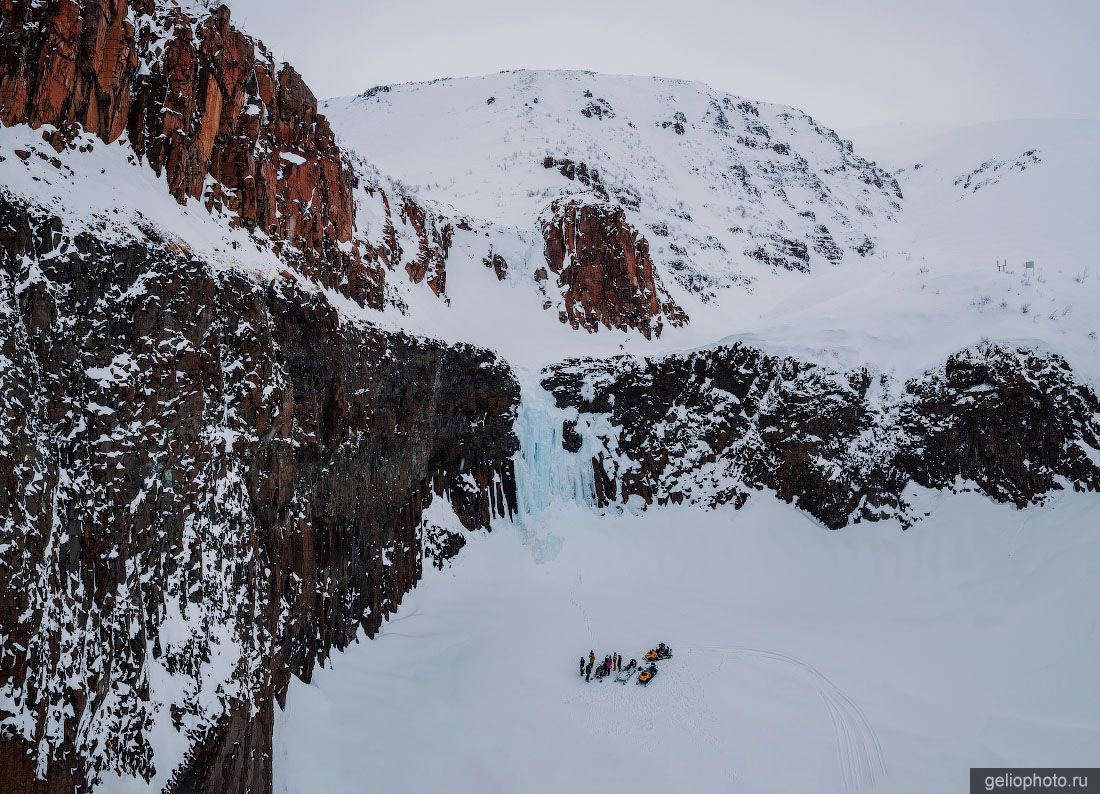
x: 916, y: 385
x: 915, y: 279
x: 725, y: 188
x: 240, y: 407
x: 723, y: 191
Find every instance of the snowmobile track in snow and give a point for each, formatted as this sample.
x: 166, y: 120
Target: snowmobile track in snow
x: 858, y: 751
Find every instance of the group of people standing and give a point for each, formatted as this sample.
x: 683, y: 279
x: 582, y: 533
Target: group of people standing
x: 612, y: 663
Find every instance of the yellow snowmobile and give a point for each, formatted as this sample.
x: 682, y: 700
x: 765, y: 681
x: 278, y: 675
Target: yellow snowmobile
x: 662, y: 651
x: 647, y: 674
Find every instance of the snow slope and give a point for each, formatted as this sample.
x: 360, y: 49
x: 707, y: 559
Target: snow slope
x: 928, y: 288
x: 997, y: 190
x: 719, y: 172
x: 859, y: 661
x: 1009, y: 191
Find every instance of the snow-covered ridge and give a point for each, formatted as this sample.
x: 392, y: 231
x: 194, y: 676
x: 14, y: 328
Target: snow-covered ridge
x: 725, y: 188
x: 1018, y: 189
x: 484, y: 149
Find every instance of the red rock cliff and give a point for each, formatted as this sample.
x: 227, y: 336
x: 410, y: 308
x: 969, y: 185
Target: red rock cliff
x: 605, y: 271
x: 206, y: 105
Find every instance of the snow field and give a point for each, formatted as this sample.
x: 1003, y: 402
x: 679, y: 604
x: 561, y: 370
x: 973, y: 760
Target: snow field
x: 864, y: 660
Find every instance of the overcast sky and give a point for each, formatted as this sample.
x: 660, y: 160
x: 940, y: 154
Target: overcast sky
x: 850, y: 63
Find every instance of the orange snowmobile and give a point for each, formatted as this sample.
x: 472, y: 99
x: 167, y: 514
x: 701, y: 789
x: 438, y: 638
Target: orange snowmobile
x: 662, y: 651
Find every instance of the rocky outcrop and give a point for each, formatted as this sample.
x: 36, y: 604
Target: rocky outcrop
x: 497, y: 263
x: 712, y: 426
x: 579, y: 172
x: 604, y: 270
x: 207, y: 485
x: 780, y: 252
x: 434, y: 239
x: 202, y: 103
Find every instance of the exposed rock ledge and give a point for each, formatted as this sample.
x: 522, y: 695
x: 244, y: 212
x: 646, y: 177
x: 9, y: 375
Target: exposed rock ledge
x: 712, y: 426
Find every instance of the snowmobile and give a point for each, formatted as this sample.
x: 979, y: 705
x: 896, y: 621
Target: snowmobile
x: 647, y: 674
x: 659, y: 653
x: 627, y: 672
x: 601, y: 672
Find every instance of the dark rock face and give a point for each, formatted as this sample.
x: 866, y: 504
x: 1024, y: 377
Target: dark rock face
x: 207, y: 480
x: 605, y: 271
x: 497, y: 263
x: 825, y: 245
x: 780, y: 252
x: 578, y: 172
x: 441, y: 545
x: 1016, y: 423
x: 711, y: 426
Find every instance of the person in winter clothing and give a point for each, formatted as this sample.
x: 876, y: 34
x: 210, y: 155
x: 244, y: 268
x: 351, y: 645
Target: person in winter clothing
x: 588, y: 669
x: 582, y: 665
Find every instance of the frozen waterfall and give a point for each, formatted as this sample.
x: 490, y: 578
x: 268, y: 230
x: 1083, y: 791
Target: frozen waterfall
x: 548, y: 475
x: 545, y: 471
